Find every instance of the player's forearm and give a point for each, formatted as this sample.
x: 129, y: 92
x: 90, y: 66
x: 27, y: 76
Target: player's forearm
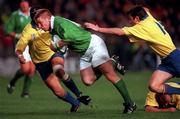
x: 116, y: 31
x: 15, y: 35
x: 57, y: 45
x: 156, y: 109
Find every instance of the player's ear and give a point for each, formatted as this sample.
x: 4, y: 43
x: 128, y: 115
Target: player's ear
x: 136, y: 19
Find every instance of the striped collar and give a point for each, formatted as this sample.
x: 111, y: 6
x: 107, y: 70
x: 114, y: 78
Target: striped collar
x: 52, y: 22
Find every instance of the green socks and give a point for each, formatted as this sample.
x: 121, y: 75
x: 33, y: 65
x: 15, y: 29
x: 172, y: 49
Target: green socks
x: 27, y: 84
x: 18, y: 75
x: 121, y: 87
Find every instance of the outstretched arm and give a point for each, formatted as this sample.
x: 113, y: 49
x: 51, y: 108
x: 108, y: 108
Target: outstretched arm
x: 116, y: 31
x: 156, y: 109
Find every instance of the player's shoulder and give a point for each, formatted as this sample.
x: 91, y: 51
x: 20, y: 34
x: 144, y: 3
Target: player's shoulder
x: 15, y: 13
x: 29, y: 28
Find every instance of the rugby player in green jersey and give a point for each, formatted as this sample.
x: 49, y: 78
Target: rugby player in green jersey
x: 93, y: 51
x: 15, y: 25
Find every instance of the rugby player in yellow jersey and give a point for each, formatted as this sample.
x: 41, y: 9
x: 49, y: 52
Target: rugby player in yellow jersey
x: 147, y: 29
x: 158, y: 102
x: 49, y: 64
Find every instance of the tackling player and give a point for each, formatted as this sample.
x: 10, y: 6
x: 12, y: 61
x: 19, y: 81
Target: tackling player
x: 159, y: 102
x: 93, y: 51
x: 147, y: 29
x: 14, y: 27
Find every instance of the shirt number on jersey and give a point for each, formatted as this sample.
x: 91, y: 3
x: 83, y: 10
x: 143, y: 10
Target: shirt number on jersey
x: 161, y: 27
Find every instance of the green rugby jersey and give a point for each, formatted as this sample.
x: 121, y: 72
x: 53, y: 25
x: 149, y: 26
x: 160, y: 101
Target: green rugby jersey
x: 77, y: 38
x: 16, y: 22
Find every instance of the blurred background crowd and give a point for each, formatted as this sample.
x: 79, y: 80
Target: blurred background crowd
x: 107, y: 13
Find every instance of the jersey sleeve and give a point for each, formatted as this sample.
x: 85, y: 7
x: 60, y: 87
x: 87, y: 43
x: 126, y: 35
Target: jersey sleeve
x: 150, y: 100
x: 176, y: 100
x: 10, y: 25
x: 178, y: 105
x: 24, y: 40
x: 132, y: 33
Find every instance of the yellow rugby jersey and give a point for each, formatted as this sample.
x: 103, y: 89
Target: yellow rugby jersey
x: 38, y: 41
x: 151, y: 101
x: 153, y: 33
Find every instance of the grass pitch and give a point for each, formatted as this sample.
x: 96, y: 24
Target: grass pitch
x: 106, y: 101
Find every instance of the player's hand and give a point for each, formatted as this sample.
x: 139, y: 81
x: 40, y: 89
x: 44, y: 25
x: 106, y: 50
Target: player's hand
x: 21, y: 59
x: 172, y: 109
x: 17, y: 35
x: 91, y: 26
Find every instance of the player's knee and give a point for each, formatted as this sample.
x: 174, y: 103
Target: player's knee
x: 88, y: 81
x: 58, y: 70
x: 155, y: 87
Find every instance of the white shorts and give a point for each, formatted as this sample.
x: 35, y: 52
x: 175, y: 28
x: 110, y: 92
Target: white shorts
x: 96, y: 54
x: 26, y: 54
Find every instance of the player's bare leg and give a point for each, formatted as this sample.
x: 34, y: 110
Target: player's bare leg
x: 58, y: 67
x: 28, y: 69
x: 53, y: 83
x: 88, y: 76
x: 157, y: 83
x: 108, y: 71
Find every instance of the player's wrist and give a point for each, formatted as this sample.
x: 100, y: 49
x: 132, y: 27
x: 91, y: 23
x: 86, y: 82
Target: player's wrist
x: 17, y: 35
x: 56, y: 46
x: 20, y: 56
x: 97, y: 28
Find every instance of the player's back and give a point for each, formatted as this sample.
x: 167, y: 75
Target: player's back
x: 38, y: 41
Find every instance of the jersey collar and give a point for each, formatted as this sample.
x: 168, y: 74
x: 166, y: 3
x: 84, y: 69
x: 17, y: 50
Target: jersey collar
x: 52, y: 22
x: 21, y: 13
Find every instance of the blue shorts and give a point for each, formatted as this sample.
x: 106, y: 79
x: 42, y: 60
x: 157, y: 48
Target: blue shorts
x: 45, y: 68
x: 171, y: 63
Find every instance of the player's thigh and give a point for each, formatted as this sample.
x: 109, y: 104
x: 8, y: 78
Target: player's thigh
x: 25, y: 67
x: 58, y: 66
x: 87, y: 75
x: 32, y: 68
x: 159, y: 77
x: 108, y: 71
x: 53, y: 83
x: 57, y: 58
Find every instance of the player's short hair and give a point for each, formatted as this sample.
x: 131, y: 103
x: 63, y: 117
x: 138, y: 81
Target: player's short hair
x: 23, y: 2
x: 137, y: 11
x: 40, y: 12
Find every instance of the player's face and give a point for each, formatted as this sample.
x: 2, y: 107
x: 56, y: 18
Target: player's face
x: 166, y: 98
x: 43, y: 23
x: 134, y: 20
x: 24, y: 6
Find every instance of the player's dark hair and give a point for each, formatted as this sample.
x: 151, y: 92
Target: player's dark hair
x: 137, y: 11
x: 33, y: 11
